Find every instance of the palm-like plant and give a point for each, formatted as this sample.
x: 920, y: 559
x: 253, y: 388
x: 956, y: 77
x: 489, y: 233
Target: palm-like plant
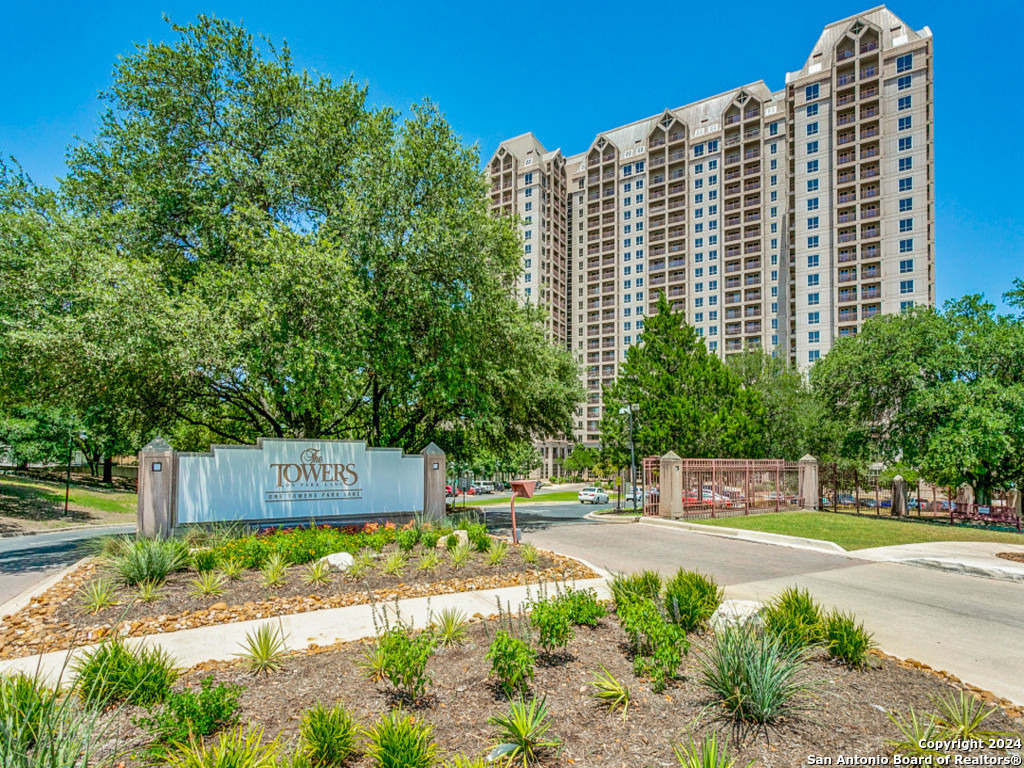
x: 265, y: 649
x: 522, y: 733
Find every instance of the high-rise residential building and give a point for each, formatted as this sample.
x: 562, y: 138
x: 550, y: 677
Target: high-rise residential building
x: 773, y: 219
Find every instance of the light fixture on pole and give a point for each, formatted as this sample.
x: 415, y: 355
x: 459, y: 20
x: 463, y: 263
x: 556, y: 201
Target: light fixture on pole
x: 630, y: 410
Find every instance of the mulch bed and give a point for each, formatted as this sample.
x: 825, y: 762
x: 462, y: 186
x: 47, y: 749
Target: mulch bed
x: 56, y: 620
x: 846, y: 716
x: 1017, y: 557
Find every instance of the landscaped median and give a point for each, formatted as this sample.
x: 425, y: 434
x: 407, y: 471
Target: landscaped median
x: 664, y: 674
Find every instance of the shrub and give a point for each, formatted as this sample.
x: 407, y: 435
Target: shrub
x: 318, y: 573
x: 451, y: 627
x: 755, y: 676
x: 26, y: 705
x: 429, y: 537
x: 529, y: 553
x: 192, y: 713
x: 408, y: 538
x: 97, y: 595
x: 240, y: 748
x: 610, y: 691
x: 479, y: 537
x: 204, y: 560
x: 794, y: 618
x: 497, y: 553
x: 847, y: 640
x: 512, y: 662
x: 658, y: 645
x: 583, y: 607
x: 395, y: 563
x: 551, y: 620
x: 709, y: 754
x: 231, y: 568
x: 265, y: 649
x: 399, y: 741
x: 328, y: 736
x: 274, y: 570
x: 406, y: 654
x: 691, y: 598
x: 460, y: 555
x: 522, y: 733
x: 150, y: 560
x: 461, y: 761
x: 208, y: 584
x: 429, y: 560
x: 645, y: 585
x: 962, y: 716
x: 149, y: 591
x: 113, y: 672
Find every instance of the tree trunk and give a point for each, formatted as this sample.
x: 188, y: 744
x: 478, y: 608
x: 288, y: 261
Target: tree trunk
x: 108, y: 470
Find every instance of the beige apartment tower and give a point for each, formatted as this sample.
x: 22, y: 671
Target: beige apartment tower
x: 772, y: 219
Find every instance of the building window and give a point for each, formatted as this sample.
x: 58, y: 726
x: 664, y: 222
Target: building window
x: 906, y: 184
x: 906, y: 306
x: 812, y: 261
x: 903, y: 103
x: 712, y: 165
x: 813, y: 280
x: 812, y: 242
x: 903, y: 83
x: 813, y: 299
x: 906, y: 204
x: 773, y: 130
x: 627, y: 170
x: 528, y: 192
x: 906, y: 164
x: 813, y: 355
x: 528, y: 263
x: 528, y: 248
x: 812, y: 204
x: 812, y: 147
x: 906, y: 286
x: 904, y: 123
x: 906, y: 225
x: 812, y: 166
x: 527, y: 278
x: 906, y: 265
x: 698, y: 150
x: 627, y: 284
x: 529, y: 207
x: 812, y: 128
x: 812, y: 222
x: 527, y: 291
x: 812, y: 110
x: 811, y: 92
x: 528, y: 179
x: 713, y: 146
x: 527, y: 234
x: 906, y: 142
x: 905, y: 63
x: 813, y: 337
x: 906, y: 246
x: 812, y: 185
x: 639, y: 169
x: 813, y: 318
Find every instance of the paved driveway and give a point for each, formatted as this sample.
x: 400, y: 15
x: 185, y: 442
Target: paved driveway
x: 966, y: 625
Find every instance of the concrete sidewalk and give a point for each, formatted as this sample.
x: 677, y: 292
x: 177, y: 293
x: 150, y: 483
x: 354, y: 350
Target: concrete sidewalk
x: 222, y: 642
x: 971, y: 558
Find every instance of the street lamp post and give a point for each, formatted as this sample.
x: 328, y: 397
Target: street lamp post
x: 630, y: 410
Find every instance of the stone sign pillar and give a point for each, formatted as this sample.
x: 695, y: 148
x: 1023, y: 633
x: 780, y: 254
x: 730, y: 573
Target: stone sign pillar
x: 899, y: 497
x: 157, y: 470
x: 670, y: 482
x: 810, y: 494
x: 434, y: 475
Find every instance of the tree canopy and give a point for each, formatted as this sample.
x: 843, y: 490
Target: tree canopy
x: 245, y: 250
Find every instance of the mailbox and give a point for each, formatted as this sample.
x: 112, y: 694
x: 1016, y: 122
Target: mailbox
x: 523, y: 488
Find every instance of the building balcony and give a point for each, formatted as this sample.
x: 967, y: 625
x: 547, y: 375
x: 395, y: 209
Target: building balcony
x: 732, y: 159
x: 847, y: 256
x: 657, y: 142
x: 869, y: 213
x: 732, y: 140
x: 846, y: 98
x: 844, y: 55
x: 845, y: 218
x: 867, y: 72
x: 730, y: 119
x: 847, y: 296
x: 848, y: 197
x: 847, y: 277
x: 867, y: 47
x: 846, y: 138
x: 845, y: 79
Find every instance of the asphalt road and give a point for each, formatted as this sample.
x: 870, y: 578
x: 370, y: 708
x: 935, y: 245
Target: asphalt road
x: 966, y: 625
x: 26, y: 560
x: 538, y: 515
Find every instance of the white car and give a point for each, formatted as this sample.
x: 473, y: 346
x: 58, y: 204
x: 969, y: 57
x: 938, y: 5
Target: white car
x: 593, y: 496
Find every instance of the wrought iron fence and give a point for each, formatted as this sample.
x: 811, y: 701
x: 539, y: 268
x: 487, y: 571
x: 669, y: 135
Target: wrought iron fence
x: 713, y: 488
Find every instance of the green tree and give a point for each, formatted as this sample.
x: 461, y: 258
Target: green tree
x: 940, y: 391
x: 582, y: 459
x: 690, y: 402
x: 260, y: 253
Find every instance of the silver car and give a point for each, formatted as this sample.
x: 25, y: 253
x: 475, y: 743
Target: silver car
x: 593, y: 496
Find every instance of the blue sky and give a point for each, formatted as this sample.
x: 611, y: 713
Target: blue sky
x: 500, y: 69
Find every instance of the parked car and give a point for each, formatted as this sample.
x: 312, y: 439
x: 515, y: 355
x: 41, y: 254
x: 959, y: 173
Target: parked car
x: 635, y: 493
x: 448, y: 491
x: 540, y: 484
x: 484, y: 486
x: 593, y: 496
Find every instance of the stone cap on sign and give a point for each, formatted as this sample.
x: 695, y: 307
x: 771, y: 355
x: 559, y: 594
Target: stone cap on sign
x: 157, y: 445
x: 433, y: 450
x: 671, y: 455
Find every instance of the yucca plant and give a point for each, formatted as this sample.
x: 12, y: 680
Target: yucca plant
x: 362, y: 562
x: 529, y: 553
x: 373, y: 662
x: 265, y: 649
x: 149, y: 591
x: 497, y: 552
x: 398, y: 740
x: 274, y: 570
x: 318, y: 573
x: 208, y: 584
x: 328, y: 735
x: 151, y: 560
x: 395, y: 563
x: 962, y: 716
x: 916, y: 732
x: 240, y: 748
x: 460, y: 555
x: 429, y: 561
x: 97, y: 595
x: 451, y: 626
x: 522, y: 733
x: 708, y: 754
x: 610, y: 691
x: 232, y: 569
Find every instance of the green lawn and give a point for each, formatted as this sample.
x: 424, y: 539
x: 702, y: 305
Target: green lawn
x: 476, y: 501
x: 31, y: 498
x: 861, y: 532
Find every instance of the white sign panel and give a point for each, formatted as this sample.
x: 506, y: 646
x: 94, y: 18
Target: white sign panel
x: 297, y: 480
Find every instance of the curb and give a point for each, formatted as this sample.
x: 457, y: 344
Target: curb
x: 964, y: 569
x: 68, y: 529
x: 756, y: 537
x: 23, y: 599
x: 609, y: 519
